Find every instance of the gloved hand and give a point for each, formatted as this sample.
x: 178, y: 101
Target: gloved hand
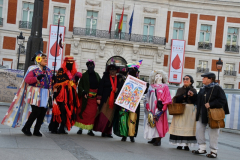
x: 54, y: 78
x: 85, y: 94
x: 39, y: 77
x: 55, y: 95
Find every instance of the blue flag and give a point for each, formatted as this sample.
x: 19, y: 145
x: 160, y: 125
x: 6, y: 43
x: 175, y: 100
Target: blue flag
x: 130, y: 23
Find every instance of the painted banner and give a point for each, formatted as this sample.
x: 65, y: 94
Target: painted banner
x: 52, y: 47
x: 10, y: 81
x: 176, y: 61
x: 131, y: 93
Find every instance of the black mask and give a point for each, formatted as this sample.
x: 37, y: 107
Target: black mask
x: 132, y: 72
x: 91, y: 69
x: 69, y: 66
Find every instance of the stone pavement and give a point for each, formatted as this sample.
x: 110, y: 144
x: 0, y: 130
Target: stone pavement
x: 15, y: 145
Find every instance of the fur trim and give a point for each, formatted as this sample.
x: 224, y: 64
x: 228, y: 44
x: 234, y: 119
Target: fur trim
x: 154, y: 73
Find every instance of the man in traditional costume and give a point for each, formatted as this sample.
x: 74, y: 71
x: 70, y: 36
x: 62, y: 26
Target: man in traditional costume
x: 87, y: 93
x: 31, y: 101
x: 65, y: 96
x: 126, y: 122
x: 108, y: 89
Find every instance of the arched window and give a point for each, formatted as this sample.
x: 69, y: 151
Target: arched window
x: 119, y: 61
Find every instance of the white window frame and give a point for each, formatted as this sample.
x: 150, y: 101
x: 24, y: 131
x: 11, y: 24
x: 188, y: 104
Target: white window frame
x: 92, y: 18
x: 204, y: 39
x: 148, y: 25
x: 228, y: 84
x: 28, y: 10
x: 179, y: 29
x: 2, y: 7
x: 232, y: 35
x: 59, y: 14
x: 202, y: 63
x: 228, y: 68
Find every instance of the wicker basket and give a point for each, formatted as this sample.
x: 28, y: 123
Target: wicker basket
x: 176, y: 108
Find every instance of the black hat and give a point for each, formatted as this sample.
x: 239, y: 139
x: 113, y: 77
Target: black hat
x: 209, y: 75
x: 90, y: 62
x: 112, y: 66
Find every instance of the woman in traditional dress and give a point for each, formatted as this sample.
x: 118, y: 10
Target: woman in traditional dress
x: 109, y: 87
x: 87, y: 93
x: 65, y: 95
x: 183, y: 127
x: 32, y: 97
x: 156, y: 101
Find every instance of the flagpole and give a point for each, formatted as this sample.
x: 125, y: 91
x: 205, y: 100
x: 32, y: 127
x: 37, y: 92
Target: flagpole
x: 122, y: 21
x: 56, y: 47
x: 131, y: 26
x: 111, y: 22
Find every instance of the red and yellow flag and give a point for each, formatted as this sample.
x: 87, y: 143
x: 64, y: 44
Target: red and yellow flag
x: 121, y: 22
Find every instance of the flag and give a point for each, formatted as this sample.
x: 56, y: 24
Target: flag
x: 121, y: 22
x: 130, y: 23
x: 110, y: 26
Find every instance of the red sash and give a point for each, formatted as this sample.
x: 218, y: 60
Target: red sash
x: 114, y: 87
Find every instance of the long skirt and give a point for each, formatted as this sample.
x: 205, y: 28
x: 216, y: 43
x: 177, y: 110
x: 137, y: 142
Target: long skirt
x: 103, y: 121
x: 183, y: 127
x: 88, y: 114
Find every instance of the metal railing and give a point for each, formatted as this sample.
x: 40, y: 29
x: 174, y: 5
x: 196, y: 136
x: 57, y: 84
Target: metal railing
x: 205, y: 45
x: 25, y: 24
x: 116, y: 35
x: 202, y: 70
x: 230, y: 73
x: 232, y: 48
x: 1, y: 21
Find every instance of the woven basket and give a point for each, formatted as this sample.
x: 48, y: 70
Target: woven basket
x: 176, y: 108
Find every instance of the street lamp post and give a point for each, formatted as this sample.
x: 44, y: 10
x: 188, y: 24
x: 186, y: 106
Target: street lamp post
x: 20, y: 40
x: 219, y: 66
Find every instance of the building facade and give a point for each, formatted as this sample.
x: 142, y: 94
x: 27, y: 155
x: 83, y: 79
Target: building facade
x: 210, y: 29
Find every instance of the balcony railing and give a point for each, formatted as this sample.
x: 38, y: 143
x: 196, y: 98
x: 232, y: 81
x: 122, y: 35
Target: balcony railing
x: 230, y: 73
x: 232, y: 48
x: 205, y: 45
x: 1, y: 21
x: 116, y: 35
x: 202, y: 70
x: 25, y: 24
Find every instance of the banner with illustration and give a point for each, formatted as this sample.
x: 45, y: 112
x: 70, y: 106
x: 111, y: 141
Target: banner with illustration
x: 10, y: 80
x: 131, y: 93
x: 176, y: 61
x: 52, y: 46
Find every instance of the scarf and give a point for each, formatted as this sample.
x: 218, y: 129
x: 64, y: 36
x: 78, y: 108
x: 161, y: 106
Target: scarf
x: 114, y: 87
x: 210, y: 85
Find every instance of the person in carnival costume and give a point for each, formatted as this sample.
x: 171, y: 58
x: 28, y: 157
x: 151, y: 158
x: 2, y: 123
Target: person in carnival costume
x: 155, y: 108
x: 108, y: 89
x: 87, y: 93
x: 126, y: 122
x: 65, y: 97
x: 31, y: 101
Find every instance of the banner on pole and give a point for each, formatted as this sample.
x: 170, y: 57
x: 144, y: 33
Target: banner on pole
x: 131, y: 93
x: 176, y: 61
x: 52, y: 47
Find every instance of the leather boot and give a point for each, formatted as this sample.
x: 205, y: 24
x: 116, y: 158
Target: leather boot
x: 37, y: 133
x: 90, y: 133
x: 152, y: 141
x: 26, y: 131
x: 124, y: 139
x: 157, y: 142
x: 132, y: 139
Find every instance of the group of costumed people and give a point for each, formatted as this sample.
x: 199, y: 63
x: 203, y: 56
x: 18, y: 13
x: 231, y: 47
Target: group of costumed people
x: 89, y: 104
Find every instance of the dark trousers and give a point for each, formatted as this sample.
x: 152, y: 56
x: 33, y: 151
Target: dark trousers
x: 53, y: 126
x: 37, y: 113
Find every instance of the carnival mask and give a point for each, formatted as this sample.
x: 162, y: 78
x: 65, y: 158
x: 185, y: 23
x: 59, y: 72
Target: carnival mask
x: 133, y: 72
x: 69, y: 66
x: 158, y: 79
x: 91, y: 68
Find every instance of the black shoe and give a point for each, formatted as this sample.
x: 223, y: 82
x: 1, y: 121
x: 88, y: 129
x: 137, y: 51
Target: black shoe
x: 90, y: 133
x: 27, y: 132
x: 54, y: 132
x: 179, y: 147
x: 103, y: 135
x: 62, y: 132
x: 109, y: 136
x: 79, y: 132
x: 157, y: 142
x: 186, y: 148
x: 124, y: 139
x: 37, y: 133
x: 132, y: 139
x: 152, y: 141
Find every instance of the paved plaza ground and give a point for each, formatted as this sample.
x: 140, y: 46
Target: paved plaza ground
x: 16, y: 146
